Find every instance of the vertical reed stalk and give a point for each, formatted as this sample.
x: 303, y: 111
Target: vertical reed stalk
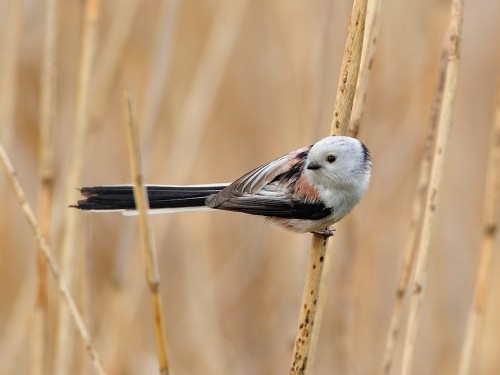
x: 319, y: 267
x: 490, y: 230
x: 73, y: 226
x: 452, y: 47
x: 415, y: 226
x: 373, y: 22
x: 47, y: 104
x: 10, y: 55
x: 148, y: 247
x: 110, y: 57
x: 51, y: 261
x: 12, y: 17
x: 157, y: 80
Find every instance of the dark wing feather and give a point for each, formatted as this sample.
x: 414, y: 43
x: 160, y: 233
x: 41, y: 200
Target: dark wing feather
x: 277, y: 207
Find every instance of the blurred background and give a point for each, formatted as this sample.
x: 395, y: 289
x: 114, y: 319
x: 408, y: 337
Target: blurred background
x: 221, y: 87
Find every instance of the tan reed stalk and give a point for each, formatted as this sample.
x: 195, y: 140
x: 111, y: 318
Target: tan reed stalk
x: 415, y: 226
x: 47, y: 104
x: 73, y: 224
x: 51, y: 260
x: 148, y: 247
x: 198, y: 105
x: 372, y: 28
x: 320, y: 260
x: 490, y: 229
x: 8, y: 74
x: 110, y: 57
x: 452, y: 47
x: 153, y: 100
x: 351, y: 62
x: 157, y: 80
x: 373, y: 22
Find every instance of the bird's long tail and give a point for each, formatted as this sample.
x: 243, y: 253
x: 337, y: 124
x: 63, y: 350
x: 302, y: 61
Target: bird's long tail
x: 162, y: 198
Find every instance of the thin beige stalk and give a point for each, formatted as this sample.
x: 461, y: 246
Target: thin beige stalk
x: 490, y: 229
x: 51, y: 260
x: 148, y: 246
x: 196, y: 111
x: 157, y: 80
x: 192, y: 125
x: 8, y: 76
x: 415, y: 226
x: 153, y: 101
x: 452, y: 47
x: 319, y: 267
x: 47, y: 104
x: 109, y: 59
x: 351, y: 62
x: 373, y: 22
x: 71, y: 265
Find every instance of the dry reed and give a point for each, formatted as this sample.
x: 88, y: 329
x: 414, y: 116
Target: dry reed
x: 157, y: 81
x: 148, y: 247
x: 165, y: 32
x: 452, y: 47
x: 490, y: 229
x: 72, y: 253
x: 10, y: 46
x: 110, y: 57
x: 201, y: 95
x: 372, y: 28
x: 317, y: 276
x: 8, y: 76
x: 415, y: 226
x: 47, y: 105
x: 51, y: 261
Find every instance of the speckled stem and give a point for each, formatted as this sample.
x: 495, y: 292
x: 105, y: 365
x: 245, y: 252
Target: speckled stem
x: 318, y: 272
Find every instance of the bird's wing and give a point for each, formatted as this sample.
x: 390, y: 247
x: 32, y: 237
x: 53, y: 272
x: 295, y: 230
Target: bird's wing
x: 269, y: 189
x: 277, y: 207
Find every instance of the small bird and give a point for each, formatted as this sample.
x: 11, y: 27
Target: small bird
x: 307, y: 190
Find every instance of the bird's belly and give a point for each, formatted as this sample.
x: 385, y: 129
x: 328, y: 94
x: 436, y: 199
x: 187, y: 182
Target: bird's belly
x: 302, y: 225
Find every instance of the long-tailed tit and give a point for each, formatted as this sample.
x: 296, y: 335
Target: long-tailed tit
x: 306, y: 190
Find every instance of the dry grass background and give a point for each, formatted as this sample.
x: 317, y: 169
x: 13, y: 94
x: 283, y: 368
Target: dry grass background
x: 222, y: 87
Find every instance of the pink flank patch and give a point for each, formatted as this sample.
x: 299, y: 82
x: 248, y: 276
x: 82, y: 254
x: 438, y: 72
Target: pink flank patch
x: 304, y: 189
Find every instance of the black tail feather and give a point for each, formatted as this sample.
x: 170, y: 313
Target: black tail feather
x: 121, y: 197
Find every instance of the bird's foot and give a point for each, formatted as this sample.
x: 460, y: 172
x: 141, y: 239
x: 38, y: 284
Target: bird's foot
x: 328, y: 232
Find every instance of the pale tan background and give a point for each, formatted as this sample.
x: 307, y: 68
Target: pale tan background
x: 232, y: 286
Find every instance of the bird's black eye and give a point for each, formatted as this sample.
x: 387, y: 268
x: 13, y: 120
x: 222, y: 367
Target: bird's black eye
x: 331, y: 158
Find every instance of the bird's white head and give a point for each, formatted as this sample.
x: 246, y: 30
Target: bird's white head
x: 339, y: 163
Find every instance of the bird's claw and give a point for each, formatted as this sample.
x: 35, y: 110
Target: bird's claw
x: 328, y: 232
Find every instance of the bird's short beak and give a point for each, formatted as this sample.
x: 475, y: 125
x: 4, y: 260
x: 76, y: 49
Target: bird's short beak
x: 312, y: 165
